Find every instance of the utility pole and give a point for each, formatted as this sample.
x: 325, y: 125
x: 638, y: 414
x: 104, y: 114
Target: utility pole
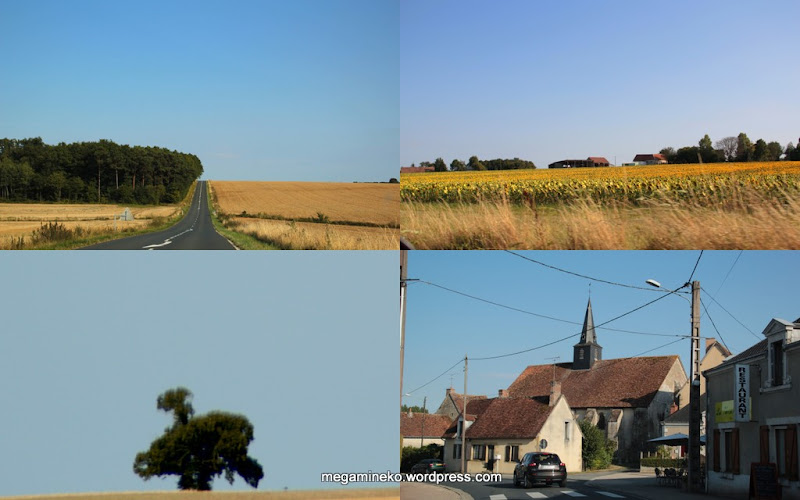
x: 464, y: 423
x: 422, y: 437
x: 403, y: 274
x: 694, y: 394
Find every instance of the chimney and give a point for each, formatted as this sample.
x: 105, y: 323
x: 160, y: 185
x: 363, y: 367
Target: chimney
x: 673, y: 408
x: 502, y: 393
x: 555, y: 392
x: 709, y: 343
x: 448, y: 391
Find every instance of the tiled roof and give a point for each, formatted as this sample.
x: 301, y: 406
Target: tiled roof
x: 435, y: 425
x: 682, y: 416
x: 598, y: 159
x: 510, y: 418
x: 612, y: 383
x: 753, y: 350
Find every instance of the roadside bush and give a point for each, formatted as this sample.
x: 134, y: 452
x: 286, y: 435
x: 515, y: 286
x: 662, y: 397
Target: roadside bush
x: 597, y: 450
x: 675, y: 463
x: 411, y: 455
x: 52, y: 232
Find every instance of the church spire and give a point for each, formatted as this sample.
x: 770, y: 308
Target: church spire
x: 587, y: 351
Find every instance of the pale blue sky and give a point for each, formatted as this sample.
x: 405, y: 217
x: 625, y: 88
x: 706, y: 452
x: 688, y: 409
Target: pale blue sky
x: 258, y: 89
x: 548, y: 80
x: 441, y: 326
x: 302, y: 343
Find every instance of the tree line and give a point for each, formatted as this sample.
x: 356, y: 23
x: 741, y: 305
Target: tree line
x: 737, y: 149
x: 94, y: 172
x: 474, y: 163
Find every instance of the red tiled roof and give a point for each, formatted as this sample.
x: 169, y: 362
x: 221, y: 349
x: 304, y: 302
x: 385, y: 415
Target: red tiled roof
x: 598, y: 159
x: 612, y: 383
x: 510, y: 418
x: 434, y: 424
x: 643, y: 157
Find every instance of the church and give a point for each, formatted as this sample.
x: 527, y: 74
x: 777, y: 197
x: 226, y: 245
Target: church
x: 627, y: 398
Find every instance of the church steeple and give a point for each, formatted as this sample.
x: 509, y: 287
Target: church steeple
x: 587, y: 351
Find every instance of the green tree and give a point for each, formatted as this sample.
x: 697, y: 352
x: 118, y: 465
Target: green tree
x: 457, y: 165
x: 789, y: 151
x: 705, y: 143
x: 760, y: 152
x: 415, y: 409
x: 597, y: 450
x: 199, y: 448
x: 439, y: 165
x: 774, y: 151
x: 475, y: 164
x: 744, y: 148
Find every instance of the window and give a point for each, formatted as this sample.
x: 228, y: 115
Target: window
x: 780, y: 451
x: 478, y: 452
x: 601, y: 422
x: 726, y: 450
x: 777, y: 363
x: 490, y: 452
x: 567, y: 431
x: 512, y: 453
x: 728, y: 447
x: 457, y: 451
x: 580, y: 353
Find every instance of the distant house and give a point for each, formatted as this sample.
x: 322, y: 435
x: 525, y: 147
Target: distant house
x: 411, y: 170
x: 422, y: 429
x: 512, y: 427
x: 453, y: 403
x: 592, y: 161
x: 649, y: 159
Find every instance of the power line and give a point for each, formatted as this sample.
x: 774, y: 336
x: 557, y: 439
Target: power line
x: 715, y: 326
x: 729, y: 314
x: 583, y: 275
x: 531, y: 313
x: 729, y: 272
x: 437, y: 378
x: 695, y: 267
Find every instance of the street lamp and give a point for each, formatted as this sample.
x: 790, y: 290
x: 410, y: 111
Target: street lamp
x: 694, y: 387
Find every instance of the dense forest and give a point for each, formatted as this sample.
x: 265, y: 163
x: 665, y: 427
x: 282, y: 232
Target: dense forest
x: 102, y: 171
x: 475, y: 164
x: 739, y: 148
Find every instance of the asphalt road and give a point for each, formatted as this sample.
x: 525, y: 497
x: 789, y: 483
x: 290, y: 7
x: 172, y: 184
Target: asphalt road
x: 194, y: 232
x: 506, y: 490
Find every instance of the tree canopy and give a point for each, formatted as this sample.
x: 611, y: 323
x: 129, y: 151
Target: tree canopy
x: 94, y: 172
x: 199, y: 448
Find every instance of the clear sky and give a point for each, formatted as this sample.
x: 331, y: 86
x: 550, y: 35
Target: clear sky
x: 258, y: 89
x: 302, y: 343
x: 550, y: 80
x: 442, y: 326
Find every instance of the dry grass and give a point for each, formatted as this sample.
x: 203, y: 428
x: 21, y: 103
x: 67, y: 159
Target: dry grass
x: 311, y: 236
x: 746, y: 222
x: 21, y: 219
x: 363, y: 494
x: 377, y: 204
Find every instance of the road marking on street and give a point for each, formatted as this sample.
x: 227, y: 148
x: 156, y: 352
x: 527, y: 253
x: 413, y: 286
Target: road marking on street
x: 497, y: 497
x: 572, y: 493
x: 167, y: 241
x: 536, y: 494
x: 612, y: 495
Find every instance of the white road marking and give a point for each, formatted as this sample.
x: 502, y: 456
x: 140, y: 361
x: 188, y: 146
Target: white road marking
x: 168, y: 240
x: 536, y: 494
x: 612, y: 495
x: 497, y: 497
x: 572, y: 493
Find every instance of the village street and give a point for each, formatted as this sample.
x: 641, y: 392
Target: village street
x: 587, y: 485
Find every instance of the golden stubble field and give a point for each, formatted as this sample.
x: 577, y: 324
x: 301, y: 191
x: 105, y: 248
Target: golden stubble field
x: 21, y: 219
x: 312, y: 215
x: 340, y: 494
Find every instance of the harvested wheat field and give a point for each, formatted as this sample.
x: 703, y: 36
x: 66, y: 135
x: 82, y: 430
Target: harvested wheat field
x: 311, y: 236
x: 362, y: 494
x: 21, y: 219
x: 370, y: 203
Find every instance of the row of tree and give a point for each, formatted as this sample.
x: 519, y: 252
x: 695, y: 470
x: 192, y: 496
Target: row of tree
x: 739, y: 149
x: 31, y: 170
x: 475, y: 164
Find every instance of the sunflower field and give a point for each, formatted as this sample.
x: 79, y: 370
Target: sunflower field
x: 708, y: 182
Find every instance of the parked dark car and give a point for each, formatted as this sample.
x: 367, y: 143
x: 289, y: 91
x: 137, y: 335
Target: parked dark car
x: 428, y: 465
x: 540, y: 467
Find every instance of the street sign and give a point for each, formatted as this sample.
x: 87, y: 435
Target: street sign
x: 741, y: 393
x: 543, y: 444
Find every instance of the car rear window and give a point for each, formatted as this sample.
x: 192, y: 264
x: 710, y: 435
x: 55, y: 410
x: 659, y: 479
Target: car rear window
x: 549, y: 459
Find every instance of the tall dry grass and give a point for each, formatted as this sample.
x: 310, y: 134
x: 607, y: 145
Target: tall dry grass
x: 747, y: 220
x: 310, y: 236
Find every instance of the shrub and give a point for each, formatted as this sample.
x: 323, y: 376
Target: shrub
x: 675, y: 463
x: 411, y: 455
x: 597, y: 450
x: 52, y: 232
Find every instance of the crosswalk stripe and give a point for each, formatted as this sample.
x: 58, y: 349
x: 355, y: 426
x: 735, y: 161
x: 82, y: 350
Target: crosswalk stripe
x: 497, y: 497
x: 572, y: 493
x: 536, y: 494
x: 612, y: 495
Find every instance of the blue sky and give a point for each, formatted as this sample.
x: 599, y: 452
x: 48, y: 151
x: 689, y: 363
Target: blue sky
x: 302, y: 343
x: 550, y: 80
x: 442, y: 326
x: 259, y: 90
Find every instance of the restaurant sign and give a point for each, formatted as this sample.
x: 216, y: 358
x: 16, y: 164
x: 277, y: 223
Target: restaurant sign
x: 741, y: 393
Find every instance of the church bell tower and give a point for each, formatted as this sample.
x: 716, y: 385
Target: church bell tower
x: 587, y: 351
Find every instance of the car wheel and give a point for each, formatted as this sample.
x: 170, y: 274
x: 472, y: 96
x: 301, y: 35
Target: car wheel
x: 562, y: 483
x: 516, y: 481
x: 526, y: 482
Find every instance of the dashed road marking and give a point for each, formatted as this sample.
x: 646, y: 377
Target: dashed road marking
x: 497, y: 497
x: 536, y: 494
x: 609, y: 494
x: 572, y: 493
